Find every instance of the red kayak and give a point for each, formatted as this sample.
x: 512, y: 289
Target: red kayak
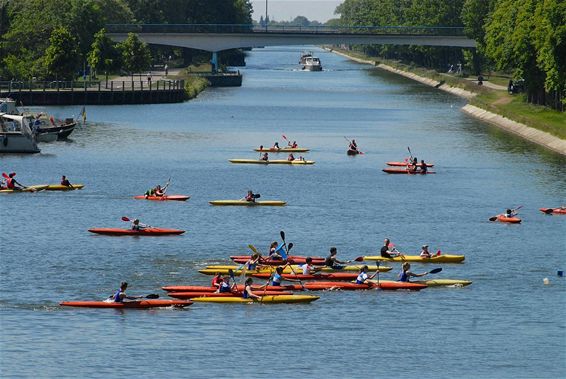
x: 163, y: 198
x: 131, y: 232
x: 401, y: 286
x: 127, y: 304
x: 404, y: 164
x: 511, y: 220
x: 322, y: 276
x: 210, y: 289
x: 556, y: 211
x: 405, y: 171
x: 296, y: 259
x: 190, y: 295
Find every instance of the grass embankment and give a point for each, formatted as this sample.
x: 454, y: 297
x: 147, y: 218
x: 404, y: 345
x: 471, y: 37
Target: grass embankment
x: 514, y: 107
x: 193, y: 84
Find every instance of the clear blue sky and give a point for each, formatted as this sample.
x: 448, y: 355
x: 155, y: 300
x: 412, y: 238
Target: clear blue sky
x: 286, y: 10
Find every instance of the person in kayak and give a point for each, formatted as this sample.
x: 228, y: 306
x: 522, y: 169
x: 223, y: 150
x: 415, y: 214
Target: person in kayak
x: 274, y: 251
x: 247, y: 293
x: 294, y: 145
x: 253, y: 262
x: 276, y: 146
x: 308, y: 268
x: 333, y: 262
x: 120, y: 295
x: 65, y: 182
x: 405, y: 275
x: 363, y: 275
x: 137, y: 225
x: 424, y: 252
x: 353, y: 145
x: 251, y: 196
x: 225, y: 285
x: 12, y: 183
x: 424, y: 169
x: 510, y: 213
x: 265, y: 157
x: 291, y: 157
x: 389, y: 252
x: 277, y: 277
x: 216, y: 280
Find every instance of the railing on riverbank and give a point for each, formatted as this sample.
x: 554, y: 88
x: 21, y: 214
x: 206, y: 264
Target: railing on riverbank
x: 94, y: 92
x: 322, y: 29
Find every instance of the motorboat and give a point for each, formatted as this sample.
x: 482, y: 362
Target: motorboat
x: 16, y: 135
x: 312, y: 64
x: 304, y: 56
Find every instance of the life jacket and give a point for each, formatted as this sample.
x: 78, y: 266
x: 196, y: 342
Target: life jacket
x: 361, y: 278
x: 276, y: 281
x: 10, y: 183
x: 403, y: 277
x: 117, y: 298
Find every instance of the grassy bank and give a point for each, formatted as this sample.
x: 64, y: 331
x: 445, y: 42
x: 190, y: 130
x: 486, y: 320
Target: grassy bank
x: 193, y: 84
x: 494, y: 100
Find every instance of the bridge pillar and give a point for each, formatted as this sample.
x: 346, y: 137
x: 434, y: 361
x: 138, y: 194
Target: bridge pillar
x: 214, y: 62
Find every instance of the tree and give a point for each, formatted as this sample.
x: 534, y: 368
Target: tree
x: 136, y: 56
x: 61, y: 57
x: 103, y: 54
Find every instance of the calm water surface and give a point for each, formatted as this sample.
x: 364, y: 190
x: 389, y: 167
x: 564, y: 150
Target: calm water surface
x: 507, y: 324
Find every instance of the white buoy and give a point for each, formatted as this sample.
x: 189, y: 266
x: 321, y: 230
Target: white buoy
x: 546, y: 281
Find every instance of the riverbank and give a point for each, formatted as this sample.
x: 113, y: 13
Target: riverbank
x: 493, y: 105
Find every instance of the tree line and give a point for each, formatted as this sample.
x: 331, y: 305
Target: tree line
x: 58, y: 39
x: 524, y: 37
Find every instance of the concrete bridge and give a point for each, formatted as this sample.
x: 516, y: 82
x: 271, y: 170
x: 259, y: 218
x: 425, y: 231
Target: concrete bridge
x: 219, y: 37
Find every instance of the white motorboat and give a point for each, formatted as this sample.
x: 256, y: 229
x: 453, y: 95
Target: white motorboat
x: 16, y: 135
x: 304, y: 56
x: 312, y: 64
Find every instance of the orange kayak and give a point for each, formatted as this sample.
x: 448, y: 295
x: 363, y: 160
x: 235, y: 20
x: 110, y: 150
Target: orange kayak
x: 131, y: 232
x: 163, y: 198
x: 191, y: 295
x: 322, y: 276
x: 211, y: 289
x: 511, y: 220
x: 549, y: 211
x: 404, y: 164
x: 405, y: 171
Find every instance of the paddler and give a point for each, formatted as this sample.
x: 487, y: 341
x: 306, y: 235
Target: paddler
x: 353, y: 145
x: 363, y: 275
x: 137, y: 225
x: 333, y: 262
x: 274, y: 251
x: 424, y: 252
x: 424, y: 169
x: 225, y: 283
x: 120, y: 295
x: 294, y: 145
x: 65, y: 182
x: 387, y: 252
x: 510, y: 213
x: 276, y: 146
x: 291, y: 157
x: 277, y: 277
x: 13, y: 184
x: 248, y: 293
x: 253, y: 262
x: 405, y: 275
x: 265, y: 157
x: 251, y: 196
x: 308, y: 268
x: 216, y: 280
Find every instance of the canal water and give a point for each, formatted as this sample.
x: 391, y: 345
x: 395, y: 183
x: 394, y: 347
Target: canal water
x: 507, y: 324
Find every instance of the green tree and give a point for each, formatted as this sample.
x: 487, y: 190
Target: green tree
x: 103, y: 54
x: 136, y: 56
x: 61, y: 57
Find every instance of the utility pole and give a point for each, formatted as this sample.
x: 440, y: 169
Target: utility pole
x: 266, y: 15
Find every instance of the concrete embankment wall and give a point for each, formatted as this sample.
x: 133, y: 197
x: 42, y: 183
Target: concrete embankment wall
x: 534, y: 135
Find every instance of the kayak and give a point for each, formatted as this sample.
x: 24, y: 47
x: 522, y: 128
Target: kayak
x: 405, y: 171
x: 60, y: 187
x: 558, y: 211
x: 283, y: 150
x: 210, y: 289
x: 404, y: 164
x: 38, y: 187
x: 264, y: 299
x: 272, y: 203
x: 316, y: 261
x: 223, y: 269
x: 163, y: 198
x: 392, y: 286
x: 127, y: 304
x: 322, y: 276
x: 277, y: 161
x: 432, y: 282
x: 352, y: 152
x: 511, y: 220
x: 443, y: 258
x: 191, y: 295
x: 131, y: 232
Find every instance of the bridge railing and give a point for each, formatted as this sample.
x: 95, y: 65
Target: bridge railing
x: 290, y: 29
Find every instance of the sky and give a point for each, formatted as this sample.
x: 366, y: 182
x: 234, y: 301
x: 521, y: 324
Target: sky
x: 287, y: 10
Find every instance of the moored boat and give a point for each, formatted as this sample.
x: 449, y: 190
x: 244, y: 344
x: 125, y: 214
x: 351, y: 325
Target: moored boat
x: 16, y: 135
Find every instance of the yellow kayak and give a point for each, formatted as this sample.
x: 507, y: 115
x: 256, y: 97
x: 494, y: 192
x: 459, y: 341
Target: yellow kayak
x: 272, y: 203
x: 223, y: 269
x: 39, y: 187
x: 274, y: 299
x: 282, y: 150
x: 276, y: 161
x: 434, y: 282
x: 444, y: 258
x: 59, y: 187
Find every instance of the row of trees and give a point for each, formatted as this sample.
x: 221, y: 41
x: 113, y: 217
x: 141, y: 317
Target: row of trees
x: 57, y: 38
x: 525, y: 37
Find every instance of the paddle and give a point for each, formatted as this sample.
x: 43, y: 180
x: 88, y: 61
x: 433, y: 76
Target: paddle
x: 358, y: 259
x: 435, y: 270
x: 166, y: 186
x: 282, y: 233
x: 6, y: 176
x: 494, y: 218
x: 411, y: 154
x: 126, y: 219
